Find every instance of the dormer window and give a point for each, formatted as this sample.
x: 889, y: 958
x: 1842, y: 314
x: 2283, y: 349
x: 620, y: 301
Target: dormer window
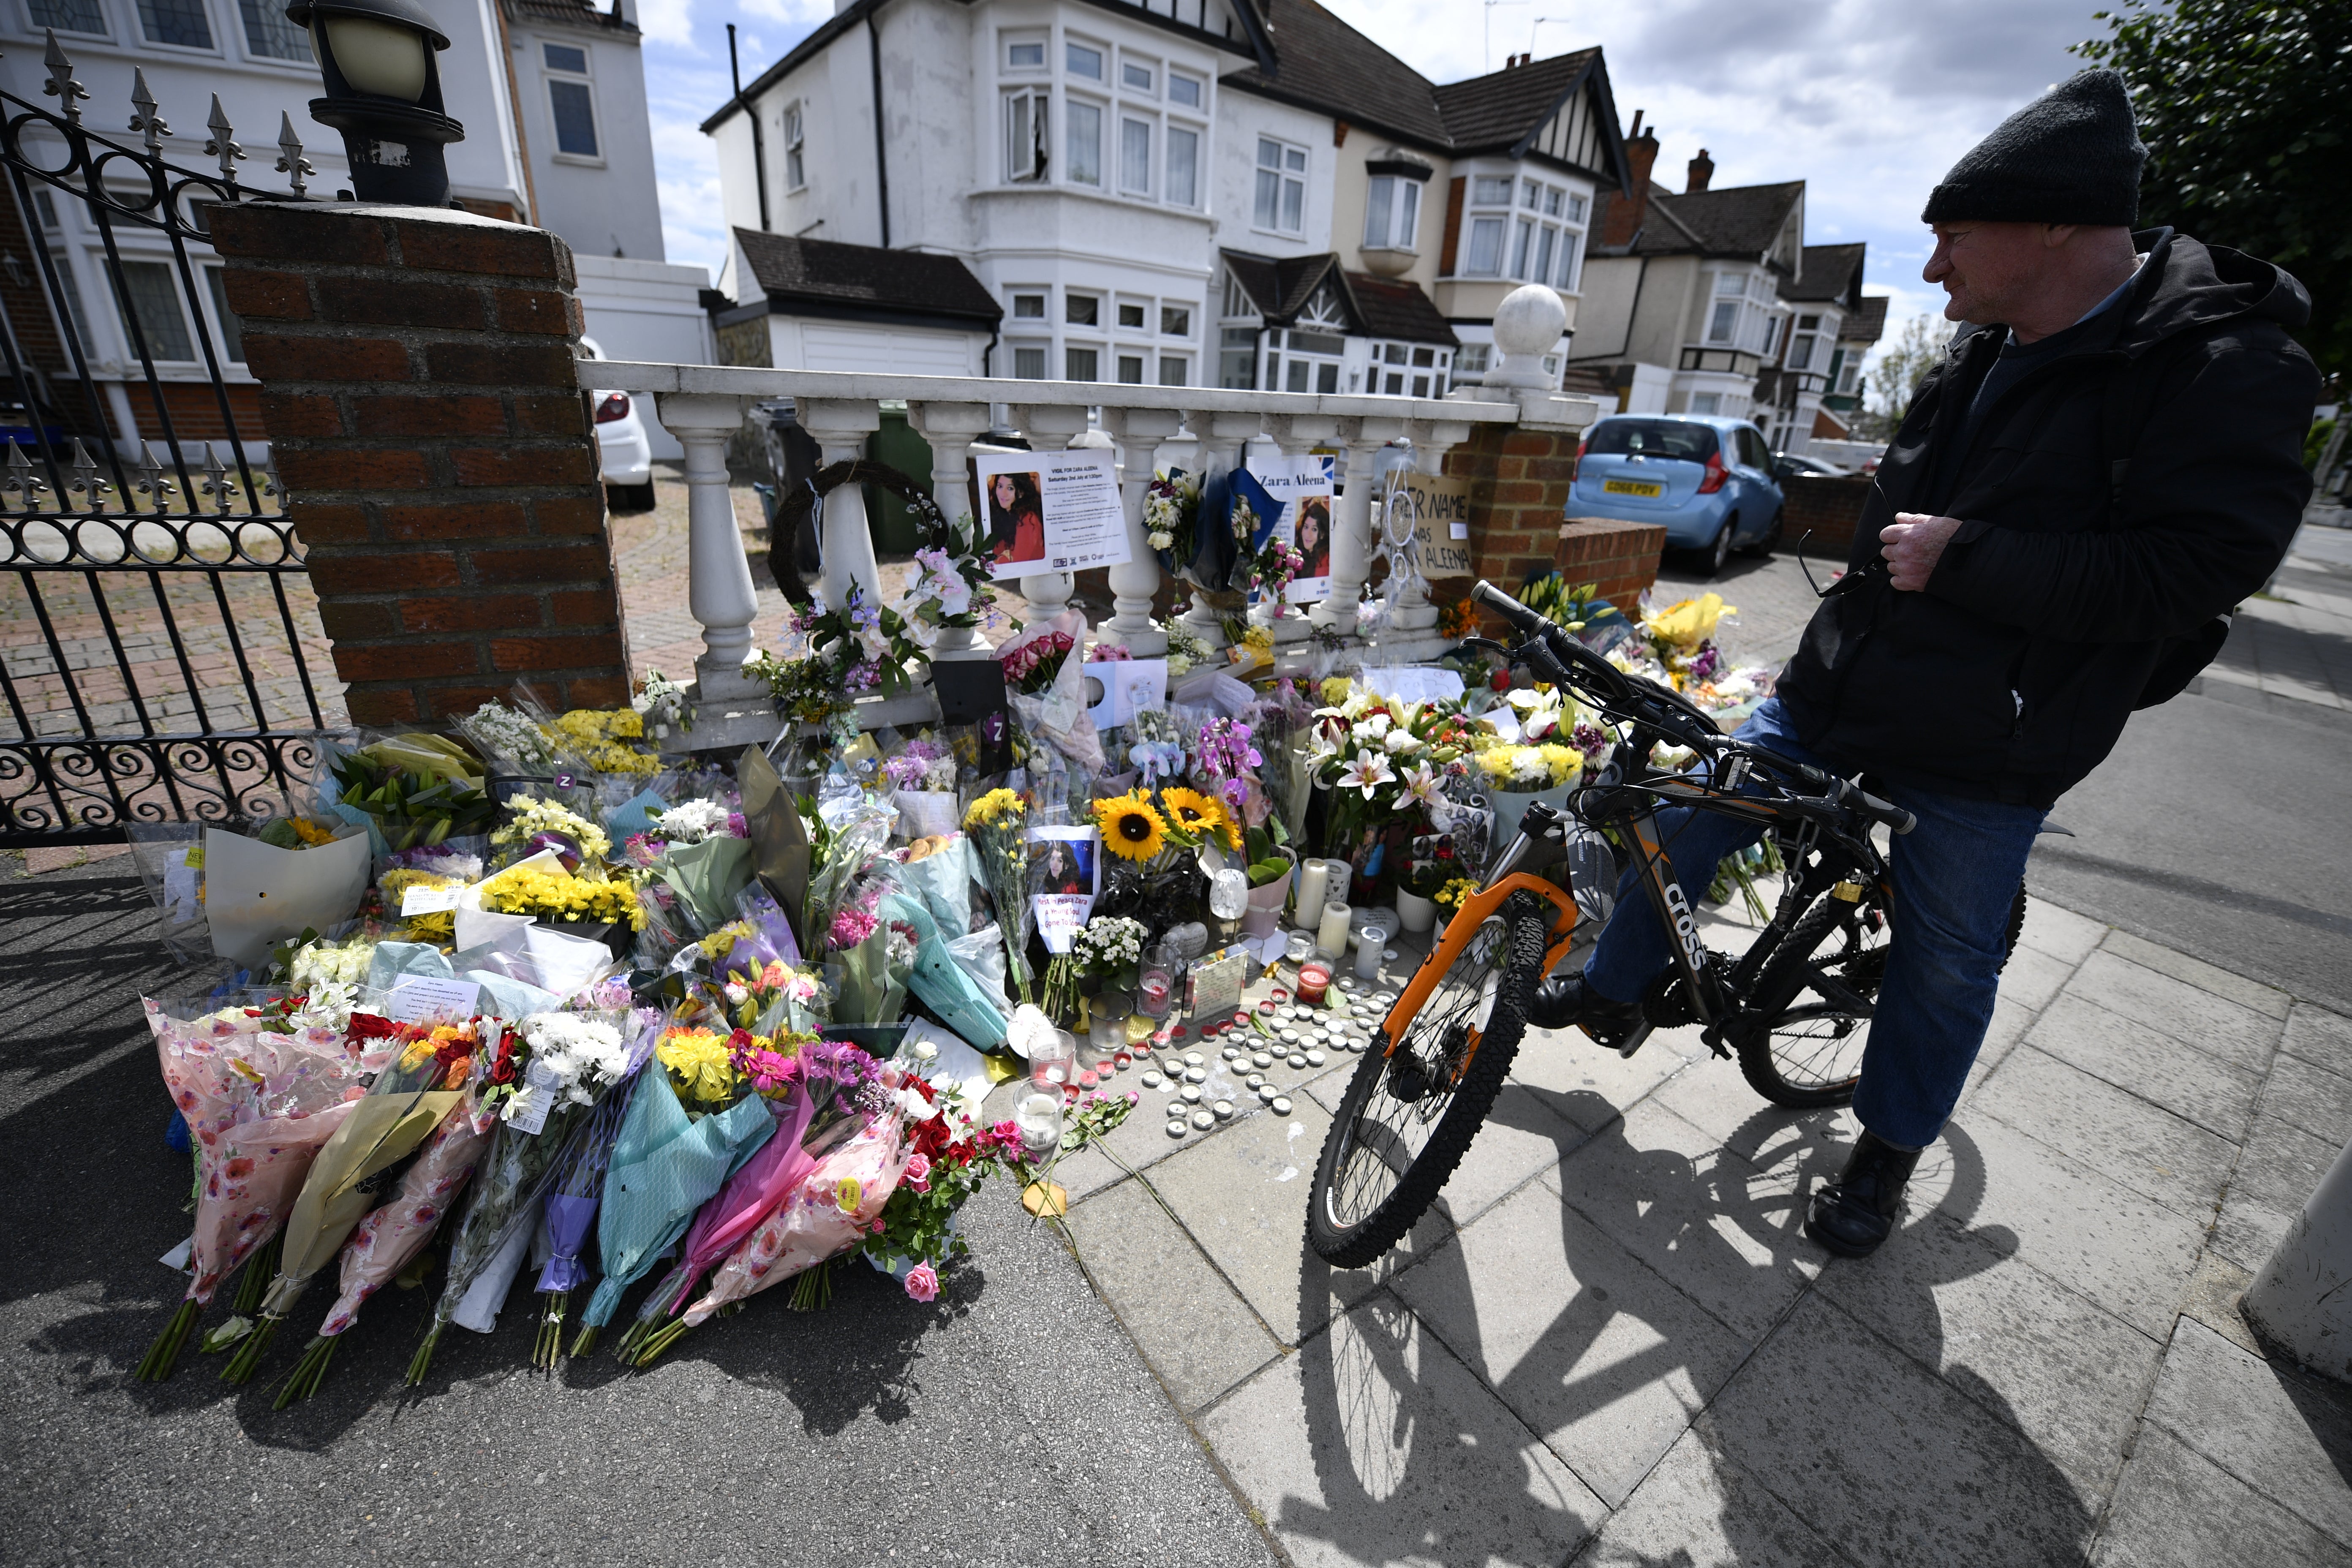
x: 1530, y: 229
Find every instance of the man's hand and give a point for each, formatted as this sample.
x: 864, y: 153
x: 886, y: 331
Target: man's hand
x: 1914, y: 543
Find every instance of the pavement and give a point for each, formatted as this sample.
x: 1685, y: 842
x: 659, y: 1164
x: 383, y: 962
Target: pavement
x: 1609, y: 1343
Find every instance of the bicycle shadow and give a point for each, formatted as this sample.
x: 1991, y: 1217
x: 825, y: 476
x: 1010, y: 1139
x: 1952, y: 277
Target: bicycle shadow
x: 1409, y: 1413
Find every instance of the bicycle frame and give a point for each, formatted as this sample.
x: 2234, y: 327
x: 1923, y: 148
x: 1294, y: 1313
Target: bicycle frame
x: 1516, y: 871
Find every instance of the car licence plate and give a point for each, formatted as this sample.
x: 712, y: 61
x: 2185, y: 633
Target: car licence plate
x: 1632, y: 487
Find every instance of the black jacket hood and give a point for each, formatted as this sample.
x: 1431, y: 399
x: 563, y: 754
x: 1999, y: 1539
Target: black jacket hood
x: 2186, y: 284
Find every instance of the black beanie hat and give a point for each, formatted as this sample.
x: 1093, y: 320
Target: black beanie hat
x: 2070, y: 156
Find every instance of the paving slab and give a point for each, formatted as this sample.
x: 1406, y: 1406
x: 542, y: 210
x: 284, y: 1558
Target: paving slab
x: 1242, y: 1195
x: 1588, y: 1083
x: 2145, y: 1147
x: 2286, y: 1434
x: 2177, y: 1510
x: 2059, y: 931
x: 2189, y: 1014
x: 2216, y: 1094
x: 2264, y: 999
x: 1698, y: 1510
x: 2315, y: 1099
x: 1722, y: 1232
x: 2279, y: 1168
x: 2127, y: 1254
x: 2071, y: 1377
x: 1893, y: 1464
x: 1521, y: 1138
x: 1716, y: 1097
x: 1374, y: 1445
x: 1599, y: 1356
x: 2032, y: 977
x: 2316, y: 1034
x: 1197, y: 1333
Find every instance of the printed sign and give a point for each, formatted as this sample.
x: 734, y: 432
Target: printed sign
x: 1301, y: 486
x: 1050, y: 511
x: 1065, y: 866
x: 429, y: 901
x: 418, y: 998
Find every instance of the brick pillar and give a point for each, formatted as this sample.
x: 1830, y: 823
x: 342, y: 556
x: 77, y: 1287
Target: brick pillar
x: 1518, y: 477
x: 417, y: 383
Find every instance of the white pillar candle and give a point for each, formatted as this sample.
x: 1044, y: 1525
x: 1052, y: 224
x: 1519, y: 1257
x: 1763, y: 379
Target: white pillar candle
x: 1332, y: 936
x: 1367, y: 953
x: 1312, y: 875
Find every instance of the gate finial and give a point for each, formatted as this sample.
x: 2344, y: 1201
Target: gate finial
x: 61, y: 84
x: 290, y: 162
x: 223, y: 144
x: 143, y: 117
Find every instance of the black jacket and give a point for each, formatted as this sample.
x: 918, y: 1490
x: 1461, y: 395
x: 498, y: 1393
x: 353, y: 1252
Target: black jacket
x: 2114, y: 501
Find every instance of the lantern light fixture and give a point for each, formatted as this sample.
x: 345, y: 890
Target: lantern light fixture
x: 383, y: 94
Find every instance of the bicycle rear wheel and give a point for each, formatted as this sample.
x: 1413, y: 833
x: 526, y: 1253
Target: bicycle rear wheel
x: 1408, y: 1114
x: 1809, y: 1056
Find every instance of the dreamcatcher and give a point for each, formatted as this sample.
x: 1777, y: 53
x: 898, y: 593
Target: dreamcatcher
x: 1396, y: 522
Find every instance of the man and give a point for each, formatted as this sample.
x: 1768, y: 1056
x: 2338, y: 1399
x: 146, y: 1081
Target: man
x: 2107, y: 460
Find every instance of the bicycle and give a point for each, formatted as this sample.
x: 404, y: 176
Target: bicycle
x: 1793, y: 1008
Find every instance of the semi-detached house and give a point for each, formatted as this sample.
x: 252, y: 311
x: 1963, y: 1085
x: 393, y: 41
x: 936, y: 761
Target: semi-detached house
x: 1227, y: 193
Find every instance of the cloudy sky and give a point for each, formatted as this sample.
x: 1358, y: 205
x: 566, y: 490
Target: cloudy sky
x: 1867, y: 101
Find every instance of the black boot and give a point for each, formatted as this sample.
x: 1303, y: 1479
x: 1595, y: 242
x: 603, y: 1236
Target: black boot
x: 1566, y: 999
x: 1854, y: 1213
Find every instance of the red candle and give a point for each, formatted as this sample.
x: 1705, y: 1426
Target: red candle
x: 1314, y: 980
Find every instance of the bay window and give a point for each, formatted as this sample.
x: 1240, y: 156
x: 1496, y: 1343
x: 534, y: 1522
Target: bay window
x: 1083, y: 148
x: 1529, y: 229
x: 1134, y: 157
x: 1024, y: 134
x: 1391, y: 212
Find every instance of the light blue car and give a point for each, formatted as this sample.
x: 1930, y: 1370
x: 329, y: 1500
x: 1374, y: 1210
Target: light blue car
x: 1709, y: 481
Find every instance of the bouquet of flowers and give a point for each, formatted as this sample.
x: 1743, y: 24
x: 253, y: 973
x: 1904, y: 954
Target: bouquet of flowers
x: 922, y: 765
x: 571, y: 1210
x: 418, y: 789
x: 533, y: 824
x: 1110, y: 951
x: 1529, y: 770
x: 951, y: 586
x: 600, y: 738
x: 1032, y: 660
x: 1229, y: 761
x: 844, y: 653
x: 1171, y: 511
x: 1271, y: 565
x: 947, y: 1159
x: 998, y: 826
x: 563, y: 896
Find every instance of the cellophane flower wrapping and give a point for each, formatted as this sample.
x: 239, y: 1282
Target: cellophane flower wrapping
x: 756, y: 1187
x: 830, y: 1212
x: 1059, y: 714
x: 515, y: 1175
x: 392, y: 1235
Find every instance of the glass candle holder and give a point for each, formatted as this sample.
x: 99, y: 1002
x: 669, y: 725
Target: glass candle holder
x: 1038, y: 1116
x: 1300, y: 946
x: 1054, y: 1059
x: 1315, y: 978
x: 1155, y: 988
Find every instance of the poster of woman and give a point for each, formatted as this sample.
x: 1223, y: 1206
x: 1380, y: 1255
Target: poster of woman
x: 1314, y: 536
x: 1016, y: 518
x: 1062, y: 870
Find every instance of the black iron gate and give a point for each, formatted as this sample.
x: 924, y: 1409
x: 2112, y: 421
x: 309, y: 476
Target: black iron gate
x: 157, y: 628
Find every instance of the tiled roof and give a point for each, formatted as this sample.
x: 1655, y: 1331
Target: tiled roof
x: 1390, y: 307
x: 1831, y: 272
x: 1279, y: 289
x: 578, y: 13
x: 1867, y: 324
x: 1739, y: 220
x: 1321, y: 61
x: 854, y: 278
x: 1497, y: 108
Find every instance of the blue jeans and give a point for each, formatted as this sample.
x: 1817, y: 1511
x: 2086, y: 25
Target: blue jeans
x: 1956, y: 877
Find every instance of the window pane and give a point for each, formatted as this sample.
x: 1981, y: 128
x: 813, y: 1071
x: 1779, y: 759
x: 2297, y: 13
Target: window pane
x: 575, y: 118
x: 1295, y: 161
x: 1134, y: 76
x: 1184, y: 90
x: 1519, y: 250
x: 1130, y: 315
x: 1131, y: 370
x: 1326, y: 378
x: 1730, y: 283
x: 1270, y: 198
x: 1082, y: 309
x: 1029, y: 305
x: 1530, y: 194
x: 1183, y: 158
x: 1294, y: 204
x: 1134, y: 156
x: 1021, y: 55
x: 69, y: 16
x: 1085, y: 143
x: 1172, y: 370
x: 1379, y: 195
x: 1019, y: 149
x: 1570, y: 244
x: 1318, y: 343
x: 155, y: 303
x: 564, y: 57
x: 1235, y: 370
x: 1085, y: 62
x: 1543, y: 254
x: 1552, y: 195
x: 1079, y: 364
x: 176, y: 22
x: 1395, y: 386
x: 232, y: 330
x: 268, y: 34
x: 1491, y: 190
x: 1706, y: 402
x: 1408, y: 222
x: 1029, y: 363
x: 1269, y: 153
x: 1175, y: 322
x: 1727, y: 316
x: 1300, y: 371
x: 1485, y: 247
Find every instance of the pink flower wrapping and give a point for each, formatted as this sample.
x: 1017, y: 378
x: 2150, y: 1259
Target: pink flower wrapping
x: 830, y: 1212
x: 382, y: 1244
x: 250, y: 1187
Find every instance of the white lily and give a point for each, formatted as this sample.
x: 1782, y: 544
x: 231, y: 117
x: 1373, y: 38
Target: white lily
x: 1421, y: 784
x: 1367, y: 772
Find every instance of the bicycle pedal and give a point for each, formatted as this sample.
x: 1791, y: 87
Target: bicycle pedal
x: 1633, y: 1041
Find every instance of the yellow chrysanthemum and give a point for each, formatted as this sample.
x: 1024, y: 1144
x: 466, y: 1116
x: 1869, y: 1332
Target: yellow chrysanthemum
x: 1130, y: 828
x: 996, y: 802
x: 699, y: 1065
x: 1200, y: 816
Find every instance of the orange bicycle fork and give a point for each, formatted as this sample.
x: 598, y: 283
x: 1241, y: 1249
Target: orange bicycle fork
x: 1459, y: 932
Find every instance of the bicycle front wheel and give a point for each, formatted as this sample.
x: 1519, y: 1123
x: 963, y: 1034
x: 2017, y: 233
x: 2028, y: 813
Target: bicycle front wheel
x: 1410, y: 1112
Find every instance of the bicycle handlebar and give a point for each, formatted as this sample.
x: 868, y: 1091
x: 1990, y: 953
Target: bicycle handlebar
x: 1550, y: 645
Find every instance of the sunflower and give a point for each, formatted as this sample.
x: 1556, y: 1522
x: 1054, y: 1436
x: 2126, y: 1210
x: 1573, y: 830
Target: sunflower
x: 1200, y: 816
x: 1130, y: 828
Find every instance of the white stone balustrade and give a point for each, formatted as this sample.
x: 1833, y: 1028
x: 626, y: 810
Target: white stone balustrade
x: 704, y: 404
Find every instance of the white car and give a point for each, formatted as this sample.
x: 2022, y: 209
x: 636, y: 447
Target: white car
x: 628, y: 456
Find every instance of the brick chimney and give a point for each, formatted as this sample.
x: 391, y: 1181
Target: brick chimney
x: 1702, y: 169
x: 1629, y: 211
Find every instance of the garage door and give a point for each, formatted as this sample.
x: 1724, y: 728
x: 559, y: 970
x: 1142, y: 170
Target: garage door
x: 898, y: 350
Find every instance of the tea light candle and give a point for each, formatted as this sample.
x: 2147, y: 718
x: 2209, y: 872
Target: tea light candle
x: 1314, y: 978
x: 1313, y: 875
x: 1332, y: 936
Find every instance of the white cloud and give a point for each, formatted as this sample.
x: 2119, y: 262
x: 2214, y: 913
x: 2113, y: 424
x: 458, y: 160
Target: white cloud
x: 1868, y: 101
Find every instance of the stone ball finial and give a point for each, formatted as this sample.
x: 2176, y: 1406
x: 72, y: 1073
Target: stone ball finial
x: 1527, y: 324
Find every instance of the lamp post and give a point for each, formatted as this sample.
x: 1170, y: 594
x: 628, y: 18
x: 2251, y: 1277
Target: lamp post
x: 384, y: 93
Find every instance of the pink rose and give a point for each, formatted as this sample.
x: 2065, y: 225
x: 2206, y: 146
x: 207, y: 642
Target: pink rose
x: 919, y: 1173
x: 923, y: 1282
